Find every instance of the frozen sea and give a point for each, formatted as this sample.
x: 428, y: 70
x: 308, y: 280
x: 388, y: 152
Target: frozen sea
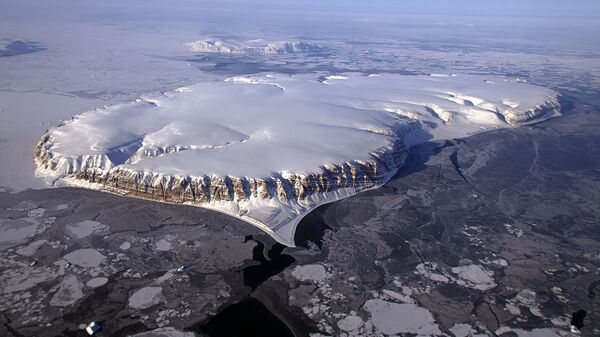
x: 490, y: 235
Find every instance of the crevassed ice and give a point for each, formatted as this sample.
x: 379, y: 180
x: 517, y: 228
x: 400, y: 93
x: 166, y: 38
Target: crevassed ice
x: 268, y: 149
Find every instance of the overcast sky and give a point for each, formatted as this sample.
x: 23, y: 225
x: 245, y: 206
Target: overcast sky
x: 555, y: 8
x: 441, y: 7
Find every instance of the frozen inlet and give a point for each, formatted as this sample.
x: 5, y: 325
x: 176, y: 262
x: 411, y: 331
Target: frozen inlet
x: 269, y: 149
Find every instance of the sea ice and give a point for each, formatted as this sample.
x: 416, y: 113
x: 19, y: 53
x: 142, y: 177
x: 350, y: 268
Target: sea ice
x: 85, y: 228
x: 392, y: 318
x: 543, y: 332
x: 18, y: 230
x: 163, y: 245
x: 145, y: 297
x: 36, y: 213
x: 86, y: 257
x: 31, y: 248
x: 25, y: 278
x: 69, y: 292
x: 462, y: 330
x: 310, y: 272
x: 474, y: 276
x: 96, y: 282
x: 350, y: 323
x: 165, y: 332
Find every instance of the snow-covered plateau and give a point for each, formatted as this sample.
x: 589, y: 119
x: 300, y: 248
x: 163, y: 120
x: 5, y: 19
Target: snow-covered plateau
x: 268, y: 149
x: 252, y: 46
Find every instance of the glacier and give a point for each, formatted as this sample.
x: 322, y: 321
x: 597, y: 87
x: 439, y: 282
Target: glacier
x: 270, y: 148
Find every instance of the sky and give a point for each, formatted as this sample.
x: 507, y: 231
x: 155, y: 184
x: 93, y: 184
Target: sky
x: 442, y: 7
x: 545, y: 8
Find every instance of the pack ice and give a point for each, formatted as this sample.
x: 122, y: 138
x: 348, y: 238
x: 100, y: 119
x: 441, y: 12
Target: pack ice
x: 268, y: 149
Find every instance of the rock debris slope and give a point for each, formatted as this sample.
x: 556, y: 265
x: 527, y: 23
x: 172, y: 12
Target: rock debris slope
x: 268, y: 149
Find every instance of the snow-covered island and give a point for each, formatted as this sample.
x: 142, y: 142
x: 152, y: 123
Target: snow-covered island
x: 269, y: 149
x: 258, y: 46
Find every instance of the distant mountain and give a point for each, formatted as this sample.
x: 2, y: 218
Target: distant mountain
x: 252, y: 46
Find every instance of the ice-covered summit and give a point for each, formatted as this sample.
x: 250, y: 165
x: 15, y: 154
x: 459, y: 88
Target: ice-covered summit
x: 252, y: 46
x: 268, y: 149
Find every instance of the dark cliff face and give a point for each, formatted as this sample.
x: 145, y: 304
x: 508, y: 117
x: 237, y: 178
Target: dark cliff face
x: 274, y: 204
x: 198, y: 190
x: 547, y: 108
x: 288, y: 188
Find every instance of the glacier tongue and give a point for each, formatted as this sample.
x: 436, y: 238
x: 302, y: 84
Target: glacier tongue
x: 268, y: 149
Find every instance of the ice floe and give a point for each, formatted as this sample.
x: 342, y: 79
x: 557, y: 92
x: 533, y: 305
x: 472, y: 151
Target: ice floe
x: 68, y: 293
x: 85, y: 228
x: 310, y: 272
x: 86, y: 258
x: 145, y: 297
x: 397, y: 318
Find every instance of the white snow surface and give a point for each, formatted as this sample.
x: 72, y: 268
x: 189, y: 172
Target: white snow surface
x: 277, y: 125
x: 258, y: 46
